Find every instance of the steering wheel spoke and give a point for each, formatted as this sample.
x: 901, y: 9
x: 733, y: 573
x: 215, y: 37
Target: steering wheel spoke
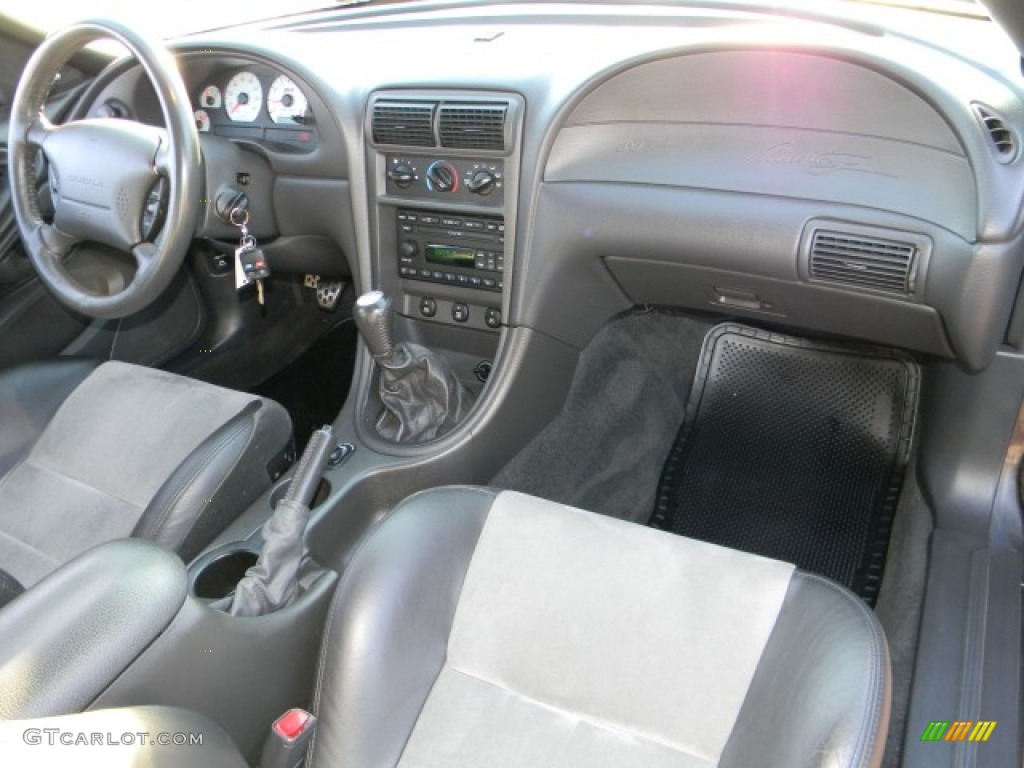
x: 53, y: 243
x: 146, y: 256
x: 163, y: 163
x: 38, y: 131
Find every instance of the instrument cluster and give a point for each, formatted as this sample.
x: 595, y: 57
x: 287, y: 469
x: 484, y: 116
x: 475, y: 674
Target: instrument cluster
x: 256, y: 103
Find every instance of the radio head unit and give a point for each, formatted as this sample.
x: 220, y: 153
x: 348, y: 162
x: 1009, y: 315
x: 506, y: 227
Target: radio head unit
x: 461, y: 250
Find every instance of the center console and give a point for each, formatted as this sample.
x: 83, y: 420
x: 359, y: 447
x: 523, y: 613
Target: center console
x: 445, y: 185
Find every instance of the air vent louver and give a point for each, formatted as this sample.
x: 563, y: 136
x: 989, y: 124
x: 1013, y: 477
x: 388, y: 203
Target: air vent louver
x: 1003, y: 140
x: 863, y: 262
x: 407, y: 123
x: 472, y: 126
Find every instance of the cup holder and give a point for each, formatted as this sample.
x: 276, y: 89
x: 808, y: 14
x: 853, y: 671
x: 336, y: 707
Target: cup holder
x: 217, y: 573
x: 322, y: 492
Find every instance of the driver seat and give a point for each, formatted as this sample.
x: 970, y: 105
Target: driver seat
x: 95, y: 451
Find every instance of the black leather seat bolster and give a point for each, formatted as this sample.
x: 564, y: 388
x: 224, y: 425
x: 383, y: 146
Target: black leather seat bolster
x: 408, y: 573
x: 29, y: 397
x: 66, y: 639
x: 820, y: 694
x: 174, y: 738
x: 10, y: 588
x: 217, y: 481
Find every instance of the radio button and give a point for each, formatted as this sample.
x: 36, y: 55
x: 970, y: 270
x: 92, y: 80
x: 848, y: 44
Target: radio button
x: 425, y: 273
x: 460, y: 312
x: 428, y: 307
x: 429, y: 219
x: 473, y: 224
x: 411, y: 217
x: 462, y: 279
x: 489, y: 283
x: 474, y: 280
x: 491, y: 226
x: 449, y: 277
x: 449, y: 222
x: 481, y: 259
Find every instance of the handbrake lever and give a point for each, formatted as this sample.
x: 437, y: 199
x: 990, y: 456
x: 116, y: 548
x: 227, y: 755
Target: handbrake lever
x: 310, y: 469
x: 273, y: 581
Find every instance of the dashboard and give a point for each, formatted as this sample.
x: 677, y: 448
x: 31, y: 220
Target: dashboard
x: 548, y: 166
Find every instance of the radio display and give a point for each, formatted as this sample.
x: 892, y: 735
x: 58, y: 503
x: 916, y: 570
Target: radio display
x: 451, y: 256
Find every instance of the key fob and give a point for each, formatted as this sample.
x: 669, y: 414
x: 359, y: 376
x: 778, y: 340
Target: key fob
x: 254, y: 263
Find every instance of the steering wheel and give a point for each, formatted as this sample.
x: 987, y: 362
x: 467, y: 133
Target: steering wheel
x: 103, y: 174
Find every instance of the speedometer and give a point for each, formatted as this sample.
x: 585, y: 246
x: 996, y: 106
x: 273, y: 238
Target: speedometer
x: 285, y: 102
x: 243, y: 97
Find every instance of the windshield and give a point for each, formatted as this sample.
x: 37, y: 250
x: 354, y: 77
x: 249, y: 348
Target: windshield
x: 182, y: 17
x: 162, y: 20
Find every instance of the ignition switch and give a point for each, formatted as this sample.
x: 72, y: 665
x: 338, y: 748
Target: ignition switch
x: 228, y: 199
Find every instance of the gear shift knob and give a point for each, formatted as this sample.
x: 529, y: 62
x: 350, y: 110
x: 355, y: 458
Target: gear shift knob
x: 372, y: 315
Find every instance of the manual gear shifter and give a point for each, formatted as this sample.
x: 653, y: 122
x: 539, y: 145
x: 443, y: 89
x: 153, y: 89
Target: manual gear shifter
x: 422, y: 396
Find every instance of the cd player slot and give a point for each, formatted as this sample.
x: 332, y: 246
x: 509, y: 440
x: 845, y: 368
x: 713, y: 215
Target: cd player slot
x: 466, y: 251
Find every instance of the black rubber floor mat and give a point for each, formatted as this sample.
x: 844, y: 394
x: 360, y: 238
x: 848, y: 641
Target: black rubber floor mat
x: 794, y: 450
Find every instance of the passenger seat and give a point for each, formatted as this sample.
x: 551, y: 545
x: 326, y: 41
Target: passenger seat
x: 487, y: 628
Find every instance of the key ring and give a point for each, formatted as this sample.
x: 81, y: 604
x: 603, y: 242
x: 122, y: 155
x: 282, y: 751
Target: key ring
x: 244, y: 212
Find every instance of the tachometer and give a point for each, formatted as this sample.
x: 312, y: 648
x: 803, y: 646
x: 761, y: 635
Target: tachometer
x: 210, y: 97
x: 285, y: 102
x: 243, y: 97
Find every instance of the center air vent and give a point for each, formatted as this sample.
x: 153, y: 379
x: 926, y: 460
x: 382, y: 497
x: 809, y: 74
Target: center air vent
x: 863, y: 261
x: 407, y: 123
x: 472, y: 126
x: 1002, y: 139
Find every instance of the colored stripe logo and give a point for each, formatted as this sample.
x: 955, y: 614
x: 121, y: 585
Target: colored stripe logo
x: 958, y: 730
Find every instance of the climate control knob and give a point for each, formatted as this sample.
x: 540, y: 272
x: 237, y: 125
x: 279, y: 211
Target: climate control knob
x: 442, y: 177
x: 408, y: 248
x: 402, y: 175
x: 482, y: 182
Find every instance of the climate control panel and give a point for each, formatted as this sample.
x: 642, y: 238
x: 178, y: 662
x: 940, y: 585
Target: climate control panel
x: 469, y: 180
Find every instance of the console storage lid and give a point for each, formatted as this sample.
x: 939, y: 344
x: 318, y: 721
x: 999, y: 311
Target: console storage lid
x: 67, y: 638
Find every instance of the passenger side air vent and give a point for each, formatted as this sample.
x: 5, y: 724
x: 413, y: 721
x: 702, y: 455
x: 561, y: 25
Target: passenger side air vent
x: 863, y: 261
x: 472, y: 126
x: 404, y: 123
x: 1003, y: 140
